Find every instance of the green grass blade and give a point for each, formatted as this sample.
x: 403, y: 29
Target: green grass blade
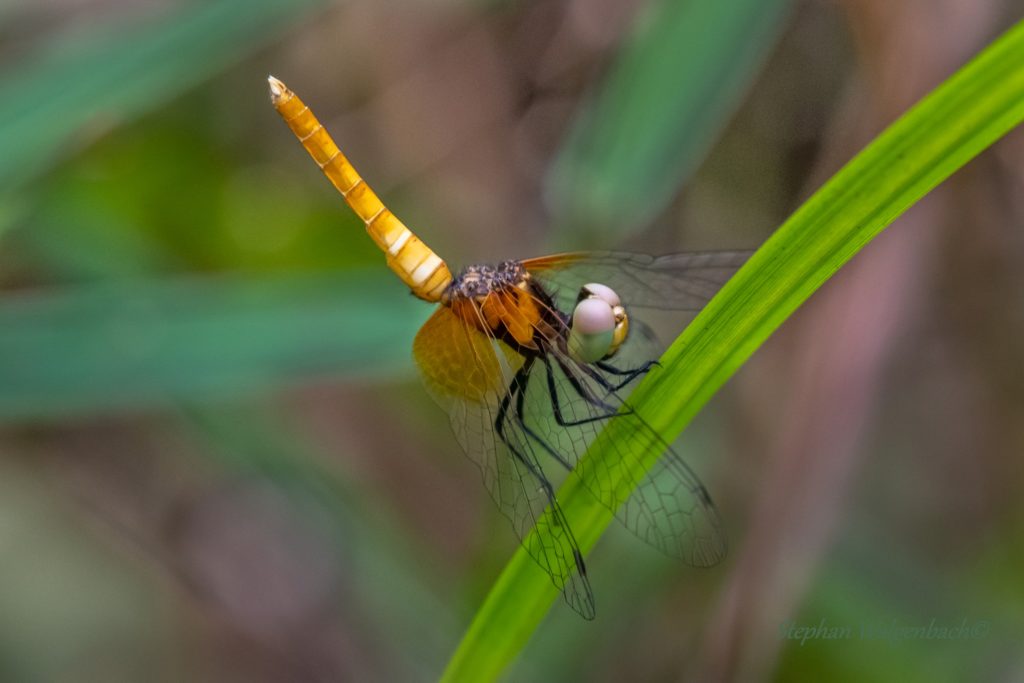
x: 666, y: 99
x: 966, y: 114
x: 129, y: 344
x: 105, y: 74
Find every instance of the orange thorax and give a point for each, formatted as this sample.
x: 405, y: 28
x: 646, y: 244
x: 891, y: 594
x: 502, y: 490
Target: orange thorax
x: 509, y: 310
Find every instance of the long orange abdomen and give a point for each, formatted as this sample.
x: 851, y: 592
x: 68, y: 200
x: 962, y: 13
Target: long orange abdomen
x: 414, y: 262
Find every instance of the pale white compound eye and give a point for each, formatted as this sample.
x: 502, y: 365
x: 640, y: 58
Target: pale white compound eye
x: 602, y: 292
x: 592, y: 331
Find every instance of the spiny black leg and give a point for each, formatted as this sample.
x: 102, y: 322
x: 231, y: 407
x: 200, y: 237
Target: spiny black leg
x: 587, y: 396
x: 557, y: 406
x: 521, y: 418
x: 517, y: 389
x: 608, y: 386
x: 629, y: 375
x: 499, y: 420
x: 517, y: 386
x: 593, y: 374
x: 609, y: 368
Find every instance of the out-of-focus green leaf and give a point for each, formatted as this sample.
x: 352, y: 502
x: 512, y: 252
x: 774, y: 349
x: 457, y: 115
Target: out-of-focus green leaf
x: 10, y: 211
x: 101, y: 76
x: 122, y: 345
x: 949, y: 127
x: 669, y: 94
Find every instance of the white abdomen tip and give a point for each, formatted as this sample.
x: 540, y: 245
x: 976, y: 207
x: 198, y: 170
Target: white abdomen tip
x: 277, y: 88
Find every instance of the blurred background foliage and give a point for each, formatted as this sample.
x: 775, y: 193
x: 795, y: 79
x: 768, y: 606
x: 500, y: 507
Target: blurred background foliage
x: 216, y: 462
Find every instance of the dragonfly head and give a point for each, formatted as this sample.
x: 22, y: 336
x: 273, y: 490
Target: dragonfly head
x: 599, y: 324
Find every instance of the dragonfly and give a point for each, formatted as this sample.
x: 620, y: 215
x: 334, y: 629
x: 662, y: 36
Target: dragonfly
x: 532, y: 358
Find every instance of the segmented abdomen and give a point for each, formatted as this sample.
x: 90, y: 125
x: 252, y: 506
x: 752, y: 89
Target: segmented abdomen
x: 414, y: 262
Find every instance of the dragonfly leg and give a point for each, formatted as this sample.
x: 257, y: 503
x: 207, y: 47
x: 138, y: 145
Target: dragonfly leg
x: 629, y: 375
x: 521, y: 418
x: 557, y: 405
x: 586, y: 395
x: 516, y: 387
x: 516, y: 391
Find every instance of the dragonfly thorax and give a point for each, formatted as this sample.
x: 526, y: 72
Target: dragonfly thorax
x: 476, y: 282
x: 503, y: 301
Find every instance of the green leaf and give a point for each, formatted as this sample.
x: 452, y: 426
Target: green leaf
x: 966, y: 114
x: 668, y: 96
x: 101, y: 75
x: 128, y: 344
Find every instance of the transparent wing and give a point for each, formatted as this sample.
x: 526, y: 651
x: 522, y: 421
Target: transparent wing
x: 674, y: 282
x: 567, y: 405
x: 470, y: 374
x: 678, y: 282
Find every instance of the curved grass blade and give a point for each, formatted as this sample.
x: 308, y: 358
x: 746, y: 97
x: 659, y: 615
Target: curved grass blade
x: 963, y: 116
x: 669, y: 94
